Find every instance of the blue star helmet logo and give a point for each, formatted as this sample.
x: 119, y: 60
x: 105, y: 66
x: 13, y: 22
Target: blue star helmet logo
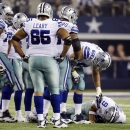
x: 3, y: 7
x: 74, y: 11
x: 18, y: 16
x: 102, y: 60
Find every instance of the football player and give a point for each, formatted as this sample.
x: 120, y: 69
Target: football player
x: 68, y: 17
x: 15, y: 59
x: 8, y: 78
x: 109, y: 112
x: 43, y: 67
x: 28, y: 84
x: 91, y: 55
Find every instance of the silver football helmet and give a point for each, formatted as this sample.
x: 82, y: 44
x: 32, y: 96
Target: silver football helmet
x: 111, y: 115
x: 6, y: 13
x: 44, y: 9
x: 102, y: 61
x: 68, y: 13
x: 19, y: 19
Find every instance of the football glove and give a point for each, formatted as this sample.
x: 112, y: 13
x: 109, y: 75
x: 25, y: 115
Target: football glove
x: 75, y: 77
x: 2, y: 70
x: 98, y: 100
x: 74, y: 62
x: 25, y: 59
x: 59, y: 59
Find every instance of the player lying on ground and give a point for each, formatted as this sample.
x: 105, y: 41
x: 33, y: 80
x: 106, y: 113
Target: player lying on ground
x: 109, y: 112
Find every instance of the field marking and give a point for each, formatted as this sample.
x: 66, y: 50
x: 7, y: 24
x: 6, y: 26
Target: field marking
x: 117, y: 95
x: 124, y: 105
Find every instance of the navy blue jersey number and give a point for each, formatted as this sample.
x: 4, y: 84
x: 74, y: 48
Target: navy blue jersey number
x: 38, y: 37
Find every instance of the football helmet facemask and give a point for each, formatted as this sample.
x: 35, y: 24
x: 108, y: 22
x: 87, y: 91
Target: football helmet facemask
x: 6, y: 13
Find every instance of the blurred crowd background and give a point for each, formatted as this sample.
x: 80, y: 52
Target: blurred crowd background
x: 118, y: 49
x: 83, y: 7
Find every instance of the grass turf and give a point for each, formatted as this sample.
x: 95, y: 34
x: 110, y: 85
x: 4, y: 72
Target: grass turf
x: 124, y: 103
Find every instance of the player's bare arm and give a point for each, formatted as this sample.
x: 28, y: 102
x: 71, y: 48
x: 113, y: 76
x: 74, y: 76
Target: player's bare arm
x: 92, y: 113
x: 96, y: 77
x: 64, y: 35
x: 76, y: 45
x: 96, y: 81
x: 1, y: 31
x: 15, y: 41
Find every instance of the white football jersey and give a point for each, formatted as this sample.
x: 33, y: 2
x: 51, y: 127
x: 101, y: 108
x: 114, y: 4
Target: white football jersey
x: 12, y: 54
x: 42, y: 37
x: 70, y: 27
x: 89, y: 53
x: 3, y: 37
x: 107, y: 103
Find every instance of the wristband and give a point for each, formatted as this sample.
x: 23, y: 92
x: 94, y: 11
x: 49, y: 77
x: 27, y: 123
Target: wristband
x: 75, y: 74
x: 23, y: 56
x: 92, y: 112
x: 99, y: 91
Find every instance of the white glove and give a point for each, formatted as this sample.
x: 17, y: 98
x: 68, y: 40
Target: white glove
x: 76, y: 77
x: 2, y: 69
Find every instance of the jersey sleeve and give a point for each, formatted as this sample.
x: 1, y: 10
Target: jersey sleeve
x: 74, y: 29
x: 10, y: 34
x: 26, y: 26
x: 2, y: 24
x: 59, y: 24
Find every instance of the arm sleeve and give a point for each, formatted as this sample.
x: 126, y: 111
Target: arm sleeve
x: 10, y: 34
x: 74, y: 29
x: 26, y: 26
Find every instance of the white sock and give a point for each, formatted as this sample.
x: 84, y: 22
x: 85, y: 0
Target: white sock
x: 56, y: 116
x: 5, y: 105
x: 46, y: 106
x: 18, y: 112
x: 40, y: 117
x: 63, y: 107
x: 27, y: 113
x: 78, y: 109
x: 34, y: 110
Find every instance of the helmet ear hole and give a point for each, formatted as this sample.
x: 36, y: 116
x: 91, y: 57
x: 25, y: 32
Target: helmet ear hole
x: 19, y: 19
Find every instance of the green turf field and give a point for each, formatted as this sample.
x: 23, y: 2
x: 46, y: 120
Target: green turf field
x: 124, y: 103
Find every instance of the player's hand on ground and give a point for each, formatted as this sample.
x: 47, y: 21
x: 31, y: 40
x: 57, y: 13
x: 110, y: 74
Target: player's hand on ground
x: 91, y: 122
x: 98, y: 100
